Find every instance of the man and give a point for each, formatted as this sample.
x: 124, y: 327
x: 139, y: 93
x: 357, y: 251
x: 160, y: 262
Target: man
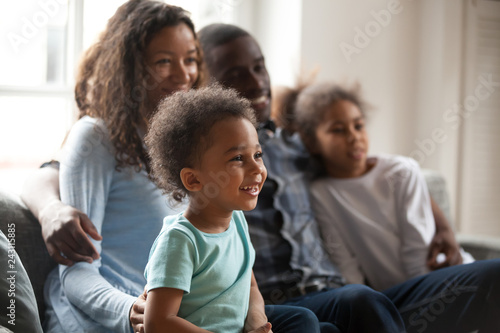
x: 291, y: 264
x: 291, y: 267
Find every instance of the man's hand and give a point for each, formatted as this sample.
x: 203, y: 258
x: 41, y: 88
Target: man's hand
x: 266, y: 328
x: 64, y: 230
x: 444, y: 242
x: 137, y: 313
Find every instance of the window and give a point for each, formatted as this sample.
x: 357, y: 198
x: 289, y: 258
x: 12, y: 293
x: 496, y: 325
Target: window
x: 41, y: 43
x: 35, y: 95
x: 480, y: 162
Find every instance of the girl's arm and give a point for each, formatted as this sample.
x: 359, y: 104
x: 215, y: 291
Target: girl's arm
x: 256, y: 317
x: 64, y: 228
x: 162, y: 306
x: 417, y: 226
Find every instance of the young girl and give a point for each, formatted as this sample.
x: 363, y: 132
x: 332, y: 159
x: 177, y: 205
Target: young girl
x: 374, y: 211
x: 204, y: 146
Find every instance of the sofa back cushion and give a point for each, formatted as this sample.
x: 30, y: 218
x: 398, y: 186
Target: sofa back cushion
x: 29, y: 243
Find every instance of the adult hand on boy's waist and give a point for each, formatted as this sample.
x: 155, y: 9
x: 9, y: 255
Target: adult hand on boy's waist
x: 65, y: 230
x: 266, y: 328
x: 137, y: 313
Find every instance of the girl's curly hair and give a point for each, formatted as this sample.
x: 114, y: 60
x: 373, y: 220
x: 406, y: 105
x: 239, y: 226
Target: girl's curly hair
x: 312, y: 102
x: 111, y: 80
x: 179, y: 131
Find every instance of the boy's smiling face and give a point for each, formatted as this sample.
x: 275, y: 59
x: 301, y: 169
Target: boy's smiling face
x: 342, y: 141
x: 231, y: 171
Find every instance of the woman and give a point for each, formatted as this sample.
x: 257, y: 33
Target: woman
x: 147, y: 51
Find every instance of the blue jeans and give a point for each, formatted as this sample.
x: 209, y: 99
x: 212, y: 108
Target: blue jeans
x: 455, y: 299
x: 295, y: 319
x: 461, y: 298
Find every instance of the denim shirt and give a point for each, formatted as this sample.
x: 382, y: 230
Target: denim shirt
x: 286, y: 160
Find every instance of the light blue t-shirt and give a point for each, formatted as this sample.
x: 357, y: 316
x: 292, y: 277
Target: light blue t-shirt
x: 213, y: 270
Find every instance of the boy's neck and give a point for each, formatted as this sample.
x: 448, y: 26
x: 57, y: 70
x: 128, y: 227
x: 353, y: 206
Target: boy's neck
x: 207, y: 221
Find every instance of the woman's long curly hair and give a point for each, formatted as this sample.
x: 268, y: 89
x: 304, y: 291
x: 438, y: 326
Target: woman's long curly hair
x: 111, y: 81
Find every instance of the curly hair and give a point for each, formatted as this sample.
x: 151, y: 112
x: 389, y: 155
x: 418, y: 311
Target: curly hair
x: 312, y: 101
x: 180, y: 131
x: 111, y: 80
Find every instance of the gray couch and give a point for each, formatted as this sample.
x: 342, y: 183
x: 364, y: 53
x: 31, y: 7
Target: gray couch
x: 29, y: 243
x: 480, y: 247
x: 38, y: 263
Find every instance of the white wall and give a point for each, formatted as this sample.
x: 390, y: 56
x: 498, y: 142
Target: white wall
x: 409, y: 65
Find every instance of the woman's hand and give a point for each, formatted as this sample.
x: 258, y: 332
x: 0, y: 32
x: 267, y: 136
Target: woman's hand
x: 137, y: 313
x: 64, y: 230
x: 266, y: 328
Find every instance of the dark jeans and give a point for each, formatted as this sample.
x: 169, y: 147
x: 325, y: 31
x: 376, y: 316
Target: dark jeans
x: 455, y: 299
x: 295, y: 319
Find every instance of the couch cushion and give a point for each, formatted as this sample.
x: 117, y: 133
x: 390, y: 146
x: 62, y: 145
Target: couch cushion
x: 29, y: 242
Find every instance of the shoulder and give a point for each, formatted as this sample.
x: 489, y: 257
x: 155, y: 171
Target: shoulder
x: 174, y: 234
x: 396, y: 163
x: 284, y: 140
x: 87, y: 140
x: 285, y: 153
x: 88, y: 127
x: 400, y: 172
x: 179, y: 227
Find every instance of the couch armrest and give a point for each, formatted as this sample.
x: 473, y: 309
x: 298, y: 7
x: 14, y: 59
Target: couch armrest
x: 480, y: 247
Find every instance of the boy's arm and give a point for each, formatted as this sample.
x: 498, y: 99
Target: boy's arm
x: 443, y: 242
x: 64, y: 228
x: 256, y: 318
x: 162, y: 306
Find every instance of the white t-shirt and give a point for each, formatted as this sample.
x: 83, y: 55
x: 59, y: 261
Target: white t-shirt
x: 377, y: 228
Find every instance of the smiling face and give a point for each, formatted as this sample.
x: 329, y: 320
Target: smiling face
x: 231, y: 171
x: 342, y: 141
x: 171, y: 60
x: 239, y: 64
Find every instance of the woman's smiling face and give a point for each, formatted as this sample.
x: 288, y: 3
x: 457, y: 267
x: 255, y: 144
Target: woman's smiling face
x: 171, y: 60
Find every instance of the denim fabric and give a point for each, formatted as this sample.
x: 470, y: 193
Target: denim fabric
x: 456, y: 299
x: 286, y: 159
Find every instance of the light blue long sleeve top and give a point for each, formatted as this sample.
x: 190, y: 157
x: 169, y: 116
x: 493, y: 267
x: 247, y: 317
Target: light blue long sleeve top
x: 127, y: 210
